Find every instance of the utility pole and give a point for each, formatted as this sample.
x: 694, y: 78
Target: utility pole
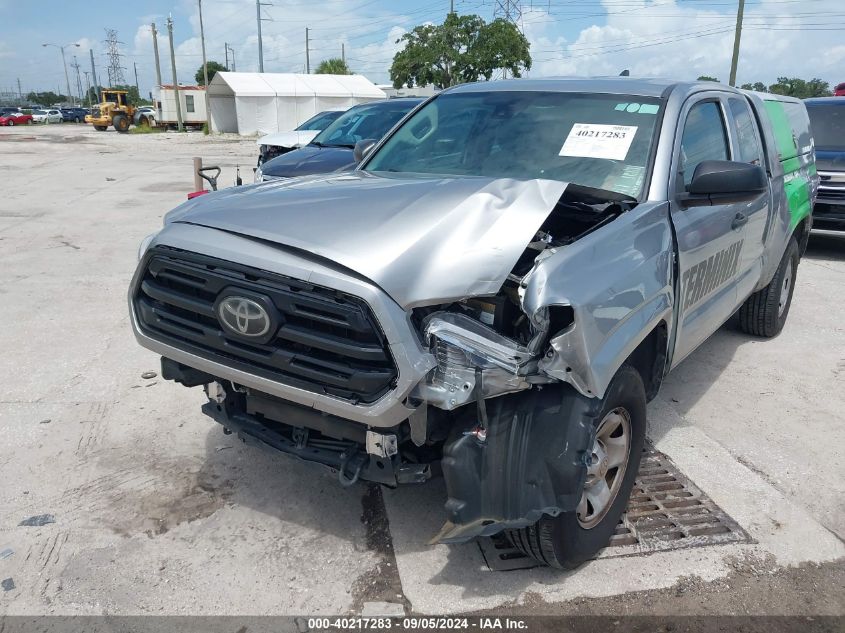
x: 20, y: 92
x: 307, y: 54
x: 258, y: 4
x: 175, y: 81
x: 737, y: 35
x: 94, y: 75
x: 88, y: 87
x: 343, y: 52
x: 155, y: 51
x: 204, y: 68
x: 64, y: 63
x: 226, y: 48
x: 75, y: 66
x: 135, y: 66
x: 234, y: 66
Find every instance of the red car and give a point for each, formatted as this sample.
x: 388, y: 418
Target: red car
x: 839, y: 91
x: 15, y: 118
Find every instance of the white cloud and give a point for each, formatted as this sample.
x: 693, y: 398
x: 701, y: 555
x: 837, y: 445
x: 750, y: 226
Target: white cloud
x: 667, y: 38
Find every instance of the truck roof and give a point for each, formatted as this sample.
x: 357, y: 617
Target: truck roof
x: 839, y: 101
x: 606, y: 85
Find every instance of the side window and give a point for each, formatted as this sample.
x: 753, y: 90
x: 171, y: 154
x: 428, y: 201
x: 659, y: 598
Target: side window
x: 744, y: 126
x: 704, y: 138
x: 189, y: 103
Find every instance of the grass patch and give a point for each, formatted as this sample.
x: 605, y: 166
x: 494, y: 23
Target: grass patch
x: 146, y: 129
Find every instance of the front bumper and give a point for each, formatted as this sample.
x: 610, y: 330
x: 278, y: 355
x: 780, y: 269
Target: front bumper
x: 829, y: 209
x: 412, y: 361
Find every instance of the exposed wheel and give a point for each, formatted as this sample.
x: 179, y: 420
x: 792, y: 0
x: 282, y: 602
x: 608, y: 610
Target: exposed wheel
x: 121, y: 123
x: 101, y: 128
x: 764, y: 313
x: 569, y: 539
x: 11, y: 123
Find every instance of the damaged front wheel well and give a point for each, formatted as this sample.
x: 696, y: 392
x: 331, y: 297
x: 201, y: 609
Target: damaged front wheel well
x: 649, y: 359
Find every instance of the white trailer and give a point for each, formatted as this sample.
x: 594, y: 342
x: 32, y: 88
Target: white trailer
x: 192, y: 99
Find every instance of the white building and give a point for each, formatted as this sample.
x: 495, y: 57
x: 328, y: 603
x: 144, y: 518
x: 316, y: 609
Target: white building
x: 192, y: 99
x: 263, y: 103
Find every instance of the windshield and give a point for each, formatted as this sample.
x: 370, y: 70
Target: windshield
x: 600, y: 141
x: 39, y: 112
x: 363, y: 122
x: 828, y: 125
x: 319, y: 121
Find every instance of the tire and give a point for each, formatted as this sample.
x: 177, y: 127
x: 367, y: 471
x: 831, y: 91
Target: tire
x: 571, y: 538
x: 764, y: 313
x: 11, y: 123
x: 101, y: 128
x: 121, y: 123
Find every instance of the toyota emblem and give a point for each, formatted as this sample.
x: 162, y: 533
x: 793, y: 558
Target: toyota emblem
x: 243, y: 316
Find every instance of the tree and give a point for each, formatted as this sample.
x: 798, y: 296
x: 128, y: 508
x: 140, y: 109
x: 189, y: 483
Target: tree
x: 133, y: 97
x: 757, y: 86
x: 794, y: 87
x: 707, y: 78
x: 464, y: 48
x: 333, y: 66
x: 213, y: 68
x: 46, y: 99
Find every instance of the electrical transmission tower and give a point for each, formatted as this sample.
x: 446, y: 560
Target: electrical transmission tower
x: 115, y: 70
x: 510, y: 10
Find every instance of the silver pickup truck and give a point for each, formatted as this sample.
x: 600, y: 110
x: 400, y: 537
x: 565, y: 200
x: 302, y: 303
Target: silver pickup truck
x: 493, y: 295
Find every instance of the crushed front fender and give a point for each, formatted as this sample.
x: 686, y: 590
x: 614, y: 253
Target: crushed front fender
x: 531, y: 462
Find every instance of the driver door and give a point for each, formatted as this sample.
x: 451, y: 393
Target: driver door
x: 710, y: 236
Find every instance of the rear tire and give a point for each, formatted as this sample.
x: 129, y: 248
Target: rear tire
x: 764, y: 313
x: 121, y: 123
x: 11, y: 123
x: 571, y: 538
x: 101, y: 128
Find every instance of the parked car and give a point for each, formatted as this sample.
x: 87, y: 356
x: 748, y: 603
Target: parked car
x: 15, y: 118
x: 145, y: 115
x: 272, y: 145
x: 47, y: 116
x: 77, y: 115
x: 495, y: 292
x: 332, y: 149
x: 827, y: 118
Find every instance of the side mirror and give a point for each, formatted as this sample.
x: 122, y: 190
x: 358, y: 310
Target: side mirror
x: 362, y: 148
x: 726, y: 177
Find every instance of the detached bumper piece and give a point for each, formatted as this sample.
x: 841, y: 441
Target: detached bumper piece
x: 530, y: 462
x: 309, y: 435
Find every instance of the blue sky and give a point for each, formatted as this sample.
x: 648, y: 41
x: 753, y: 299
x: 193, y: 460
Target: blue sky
x: 678, y: 38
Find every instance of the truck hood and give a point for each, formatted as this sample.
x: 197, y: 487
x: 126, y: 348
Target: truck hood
x: 293, y: 138
x: 423, y: 240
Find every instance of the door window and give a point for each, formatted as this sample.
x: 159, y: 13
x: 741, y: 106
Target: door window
x: 744, y: 127
x: 704, y: 138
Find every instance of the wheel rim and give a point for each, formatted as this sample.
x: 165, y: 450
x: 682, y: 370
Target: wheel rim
x: 606, y: 467
x: 784, y: 289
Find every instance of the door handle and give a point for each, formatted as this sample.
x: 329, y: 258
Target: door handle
x: 739, y: 220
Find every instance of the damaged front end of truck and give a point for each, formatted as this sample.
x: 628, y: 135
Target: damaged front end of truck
x: 452, y: 352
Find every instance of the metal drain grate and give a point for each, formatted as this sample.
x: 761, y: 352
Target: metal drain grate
x: 666, y: 512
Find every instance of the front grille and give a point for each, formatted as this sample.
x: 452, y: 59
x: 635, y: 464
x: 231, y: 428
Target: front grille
x: 329, y: 342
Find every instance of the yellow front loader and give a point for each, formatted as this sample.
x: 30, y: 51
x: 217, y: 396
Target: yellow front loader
x: 114, y: 109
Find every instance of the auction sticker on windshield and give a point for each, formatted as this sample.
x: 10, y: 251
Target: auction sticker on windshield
x: 596, y: 140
